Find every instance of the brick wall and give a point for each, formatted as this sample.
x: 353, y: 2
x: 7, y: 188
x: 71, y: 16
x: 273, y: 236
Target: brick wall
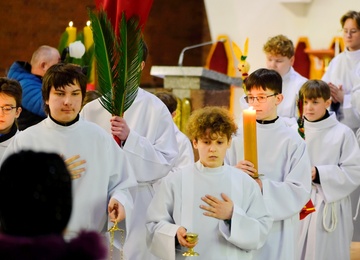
x: 172, y: 25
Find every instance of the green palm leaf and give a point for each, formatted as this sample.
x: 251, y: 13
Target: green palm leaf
x: 118, y: 61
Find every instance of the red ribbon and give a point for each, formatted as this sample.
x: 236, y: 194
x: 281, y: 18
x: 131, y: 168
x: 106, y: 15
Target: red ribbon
x: 307, y: 209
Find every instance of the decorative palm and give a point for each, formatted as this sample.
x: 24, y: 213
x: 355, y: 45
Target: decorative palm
x: 118, y: 60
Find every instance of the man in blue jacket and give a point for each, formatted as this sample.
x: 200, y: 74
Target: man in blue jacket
x: 30, y: 76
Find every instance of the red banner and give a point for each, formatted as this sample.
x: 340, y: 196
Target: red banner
x: 114, y: 9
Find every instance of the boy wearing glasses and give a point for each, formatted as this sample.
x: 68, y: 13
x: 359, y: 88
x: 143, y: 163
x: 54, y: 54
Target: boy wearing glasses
x: 280, y: 56
x: 10, y: 102
x: 283, y: 164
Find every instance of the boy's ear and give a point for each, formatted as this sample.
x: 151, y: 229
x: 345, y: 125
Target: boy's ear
x: 292, y: 60
x: 194, y: 142
x: 279, y: 98
x: 229, y: 142
x: 328, y: 103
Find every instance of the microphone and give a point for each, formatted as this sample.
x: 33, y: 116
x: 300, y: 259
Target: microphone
x: 181, y: 57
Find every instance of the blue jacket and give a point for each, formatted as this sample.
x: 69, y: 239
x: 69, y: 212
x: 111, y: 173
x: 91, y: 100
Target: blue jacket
x: 32, y: 102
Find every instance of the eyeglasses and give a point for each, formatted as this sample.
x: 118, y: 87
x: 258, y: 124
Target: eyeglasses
x: 7, y: 109
x: 260, y: 99
x: 351, y: 32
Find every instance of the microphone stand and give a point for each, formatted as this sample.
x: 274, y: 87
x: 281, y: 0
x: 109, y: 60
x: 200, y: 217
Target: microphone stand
x: 181, y: 57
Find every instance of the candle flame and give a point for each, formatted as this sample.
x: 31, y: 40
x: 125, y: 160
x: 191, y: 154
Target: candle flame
x: 88, y: 23
x: 251, y: 108
x: 71, y: 24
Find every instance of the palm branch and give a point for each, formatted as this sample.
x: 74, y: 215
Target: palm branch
x: 300, y: 120
x: 118, y: 61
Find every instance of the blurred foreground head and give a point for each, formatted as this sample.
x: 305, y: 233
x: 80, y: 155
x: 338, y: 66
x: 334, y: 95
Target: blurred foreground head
x: 35, y: 194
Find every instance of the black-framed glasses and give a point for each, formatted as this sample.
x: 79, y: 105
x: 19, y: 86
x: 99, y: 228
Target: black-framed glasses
x: 260, y: 99
x: 7, y: 109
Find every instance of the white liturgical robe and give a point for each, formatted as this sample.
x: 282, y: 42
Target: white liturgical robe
x: 285, y: 165
x: 151, y: 149
x: 341, y: 71
x: 107, y: 174
x: 333, y: 149
x: 176, y: 203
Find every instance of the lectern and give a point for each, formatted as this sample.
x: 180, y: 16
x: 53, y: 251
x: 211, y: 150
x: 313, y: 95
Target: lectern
x: 202, y: 86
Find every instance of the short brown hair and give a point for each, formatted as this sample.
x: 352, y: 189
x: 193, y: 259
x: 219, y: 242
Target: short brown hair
x: 351, y: 15
x: 313, y: 89
x: 216, y: 119
x: 11, y: 88
x: 168, y: 99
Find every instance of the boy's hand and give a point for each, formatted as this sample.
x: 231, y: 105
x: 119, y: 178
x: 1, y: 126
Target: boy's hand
x: 216, y: 208
x: 119, y: 127
x: 181, y: 236
x: 116, y: 211
x: 247, y: 167
x: 313, y: 173
x: 72, y: 164
x: 337, y: 93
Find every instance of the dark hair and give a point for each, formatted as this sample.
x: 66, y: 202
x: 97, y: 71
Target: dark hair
x: 11, y: 88
x: 265, y: 79
x: 351, y: 15
x: 313, y: 89
x: 168, y: 99
x: 145, y: 50
x: 59, y: 76
x: 90, y: 95
x: 35, y: 194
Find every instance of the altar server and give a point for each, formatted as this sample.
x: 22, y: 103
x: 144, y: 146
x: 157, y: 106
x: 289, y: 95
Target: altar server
x: 335, y: 160
x: 283, y: 165
x: 101, y: 190
x: 147, y: 136
x: 220, y: 203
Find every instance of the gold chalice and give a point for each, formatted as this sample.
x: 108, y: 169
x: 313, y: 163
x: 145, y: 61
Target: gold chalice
x: 191, y: 238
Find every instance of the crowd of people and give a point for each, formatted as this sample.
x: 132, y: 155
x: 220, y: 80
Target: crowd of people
x: 65, y: 181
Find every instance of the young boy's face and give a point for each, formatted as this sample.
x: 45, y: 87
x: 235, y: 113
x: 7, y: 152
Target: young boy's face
x: 351, y: 35
x: 65, y: 104
x: 268, y: 109
x: 314, y: 109
x: 8, y: 113
x: 279, y: 63
x: 212, y: 151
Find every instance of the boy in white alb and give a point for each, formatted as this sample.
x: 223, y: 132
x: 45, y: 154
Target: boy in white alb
x: 220, y: 203
x: 282, y: 160
x: 327, y: 233
x: 101, y: 192
x: 148, y: 139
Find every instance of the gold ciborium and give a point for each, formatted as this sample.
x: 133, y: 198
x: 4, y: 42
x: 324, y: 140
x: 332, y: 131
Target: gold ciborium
x: 191, y: 238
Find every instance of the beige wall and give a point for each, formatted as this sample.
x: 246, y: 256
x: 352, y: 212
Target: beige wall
x: 261, y: 19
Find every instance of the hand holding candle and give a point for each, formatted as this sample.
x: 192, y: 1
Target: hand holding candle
x: 250, y: 139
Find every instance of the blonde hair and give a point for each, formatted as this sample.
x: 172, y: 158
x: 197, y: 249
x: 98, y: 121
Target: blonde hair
x: 280, y: 45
